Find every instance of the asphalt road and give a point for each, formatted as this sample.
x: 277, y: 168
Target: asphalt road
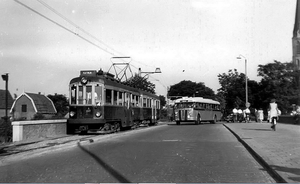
x: 182, y: 154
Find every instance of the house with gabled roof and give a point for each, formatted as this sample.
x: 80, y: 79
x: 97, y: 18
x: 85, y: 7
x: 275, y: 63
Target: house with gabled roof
x: 27, y: 105
x: 3, y: 102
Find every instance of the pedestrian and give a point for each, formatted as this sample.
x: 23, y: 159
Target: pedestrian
x: 274, y: 113
x: 260, y: 115
x: 240, y: 115
x: 247, y: 115
x: 235, y: 114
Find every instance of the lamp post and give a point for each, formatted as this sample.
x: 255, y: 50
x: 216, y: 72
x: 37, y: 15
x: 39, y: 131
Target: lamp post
x: 246, y: 79
x: 5, y: 78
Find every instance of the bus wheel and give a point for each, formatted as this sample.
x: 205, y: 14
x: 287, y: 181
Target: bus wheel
x: 177, y: 122
x: 197, y: 122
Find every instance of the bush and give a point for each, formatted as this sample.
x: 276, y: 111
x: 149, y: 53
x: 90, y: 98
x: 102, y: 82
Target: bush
x: 5, y: 131
x: 38, y: 116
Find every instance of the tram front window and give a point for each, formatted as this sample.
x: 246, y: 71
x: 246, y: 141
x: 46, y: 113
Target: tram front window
x: 98, y: 94
x: 73, y: 94
x: 89, y: 94
x: 80, y: 95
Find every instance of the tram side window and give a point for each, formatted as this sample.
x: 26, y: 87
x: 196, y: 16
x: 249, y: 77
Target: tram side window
x: 80, y: 95
x: 108, y: 96
x: 133, y: 103
x: 144, y: 102
x: 115, y: 97
x: 88, y: 94
x: 73, y: 94
x: 138, y: 101
x: 120, y: 98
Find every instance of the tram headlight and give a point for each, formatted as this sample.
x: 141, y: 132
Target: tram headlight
x: 72, y: 114
x: 98, y: 114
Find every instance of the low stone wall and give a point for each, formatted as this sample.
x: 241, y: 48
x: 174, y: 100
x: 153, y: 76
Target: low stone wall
x: 288, y: 119
x: 38, y: 129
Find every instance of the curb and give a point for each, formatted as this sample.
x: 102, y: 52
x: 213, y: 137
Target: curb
x: 265, y: 165
x: 69, y: 144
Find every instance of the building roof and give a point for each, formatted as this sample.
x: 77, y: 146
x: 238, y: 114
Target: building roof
x: 42, y: 104
x: 3, y: 99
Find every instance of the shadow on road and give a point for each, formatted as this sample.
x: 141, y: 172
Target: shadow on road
x: 109, y: 169
x: 256, y: 129
x: 295, y: 171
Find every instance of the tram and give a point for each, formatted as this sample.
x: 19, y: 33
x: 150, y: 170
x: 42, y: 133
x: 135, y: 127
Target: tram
x: 100, y: 103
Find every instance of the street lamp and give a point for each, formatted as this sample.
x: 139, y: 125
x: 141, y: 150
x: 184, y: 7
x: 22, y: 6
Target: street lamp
x: 246, y: 80
x: 157, y: 70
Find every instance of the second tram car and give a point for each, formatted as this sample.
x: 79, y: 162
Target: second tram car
x: 100, y: 103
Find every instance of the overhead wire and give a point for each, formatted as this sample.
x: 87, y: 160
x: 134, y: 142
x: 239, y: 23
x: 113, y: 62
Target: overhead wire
x: 78, y: 27
x: 75, y: 25
x: 63, y: 27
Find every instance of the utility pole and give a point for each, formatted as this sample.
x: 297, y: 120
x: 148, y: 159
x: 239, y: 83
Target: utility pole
x: 5, y: 78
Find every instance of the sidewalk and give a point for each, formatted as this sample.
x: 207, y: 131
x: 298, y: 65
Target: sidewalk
x: 279, y: 150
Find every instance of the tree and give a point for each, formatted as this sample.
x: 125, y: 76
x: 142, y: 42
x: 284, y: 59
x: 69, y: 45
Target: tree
x: 189, y: 88
x: 162, y: 100
x: 140, y: 82
x: 233, y: 90
x: 278, y: 81
x: 61, y: 104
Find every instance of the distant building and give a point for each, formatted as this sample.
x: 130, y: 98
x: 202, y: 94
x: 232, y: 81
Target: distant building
x: 296, y: 38
x: 3, y: 102
x: 27, y: 105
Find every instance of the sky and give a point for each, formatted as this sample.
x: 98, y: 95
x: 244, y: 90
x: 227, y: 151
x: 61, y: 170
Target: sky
x: 46, y: 43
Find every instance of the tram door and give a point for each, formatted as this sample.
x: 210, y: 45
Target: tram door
x: 128, y: 109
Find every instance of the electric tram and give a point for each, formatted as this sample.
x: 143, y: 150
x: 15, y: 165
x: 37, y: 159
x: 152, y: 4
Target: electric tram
x: 100, y: 103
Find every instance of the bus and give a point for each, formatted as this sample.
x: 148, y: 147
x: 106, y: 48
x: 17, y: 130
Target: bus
x: 100, y: 103
x: 196, y: 109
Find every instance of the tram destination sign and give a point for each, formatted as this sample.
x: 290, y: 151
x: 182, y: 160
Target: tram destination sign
x: 88, y: 73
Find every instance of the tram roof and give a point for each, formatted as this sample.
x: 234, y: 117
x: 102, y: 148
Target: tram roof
x: 110, y: 80
x: 196, y: 99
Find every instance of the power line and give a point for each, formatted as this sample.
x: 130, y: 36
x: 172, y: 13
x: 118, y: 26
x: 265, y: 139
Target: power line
x: 75, y: 25
x: 63, y: 27
x: 60, y: 15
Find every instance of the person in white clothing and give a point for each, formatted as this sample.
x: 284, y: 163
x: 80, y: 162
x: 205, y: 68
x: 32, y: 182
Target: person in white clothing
x: 260, y: 114
x: 235, y: 112
x: 274, y: 112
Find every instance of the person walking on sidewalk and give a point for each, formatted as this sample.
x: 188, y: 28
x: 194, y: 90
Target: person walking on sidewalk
x: 274, y: 113
x: 235, y: 113
x: 260, y: 115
